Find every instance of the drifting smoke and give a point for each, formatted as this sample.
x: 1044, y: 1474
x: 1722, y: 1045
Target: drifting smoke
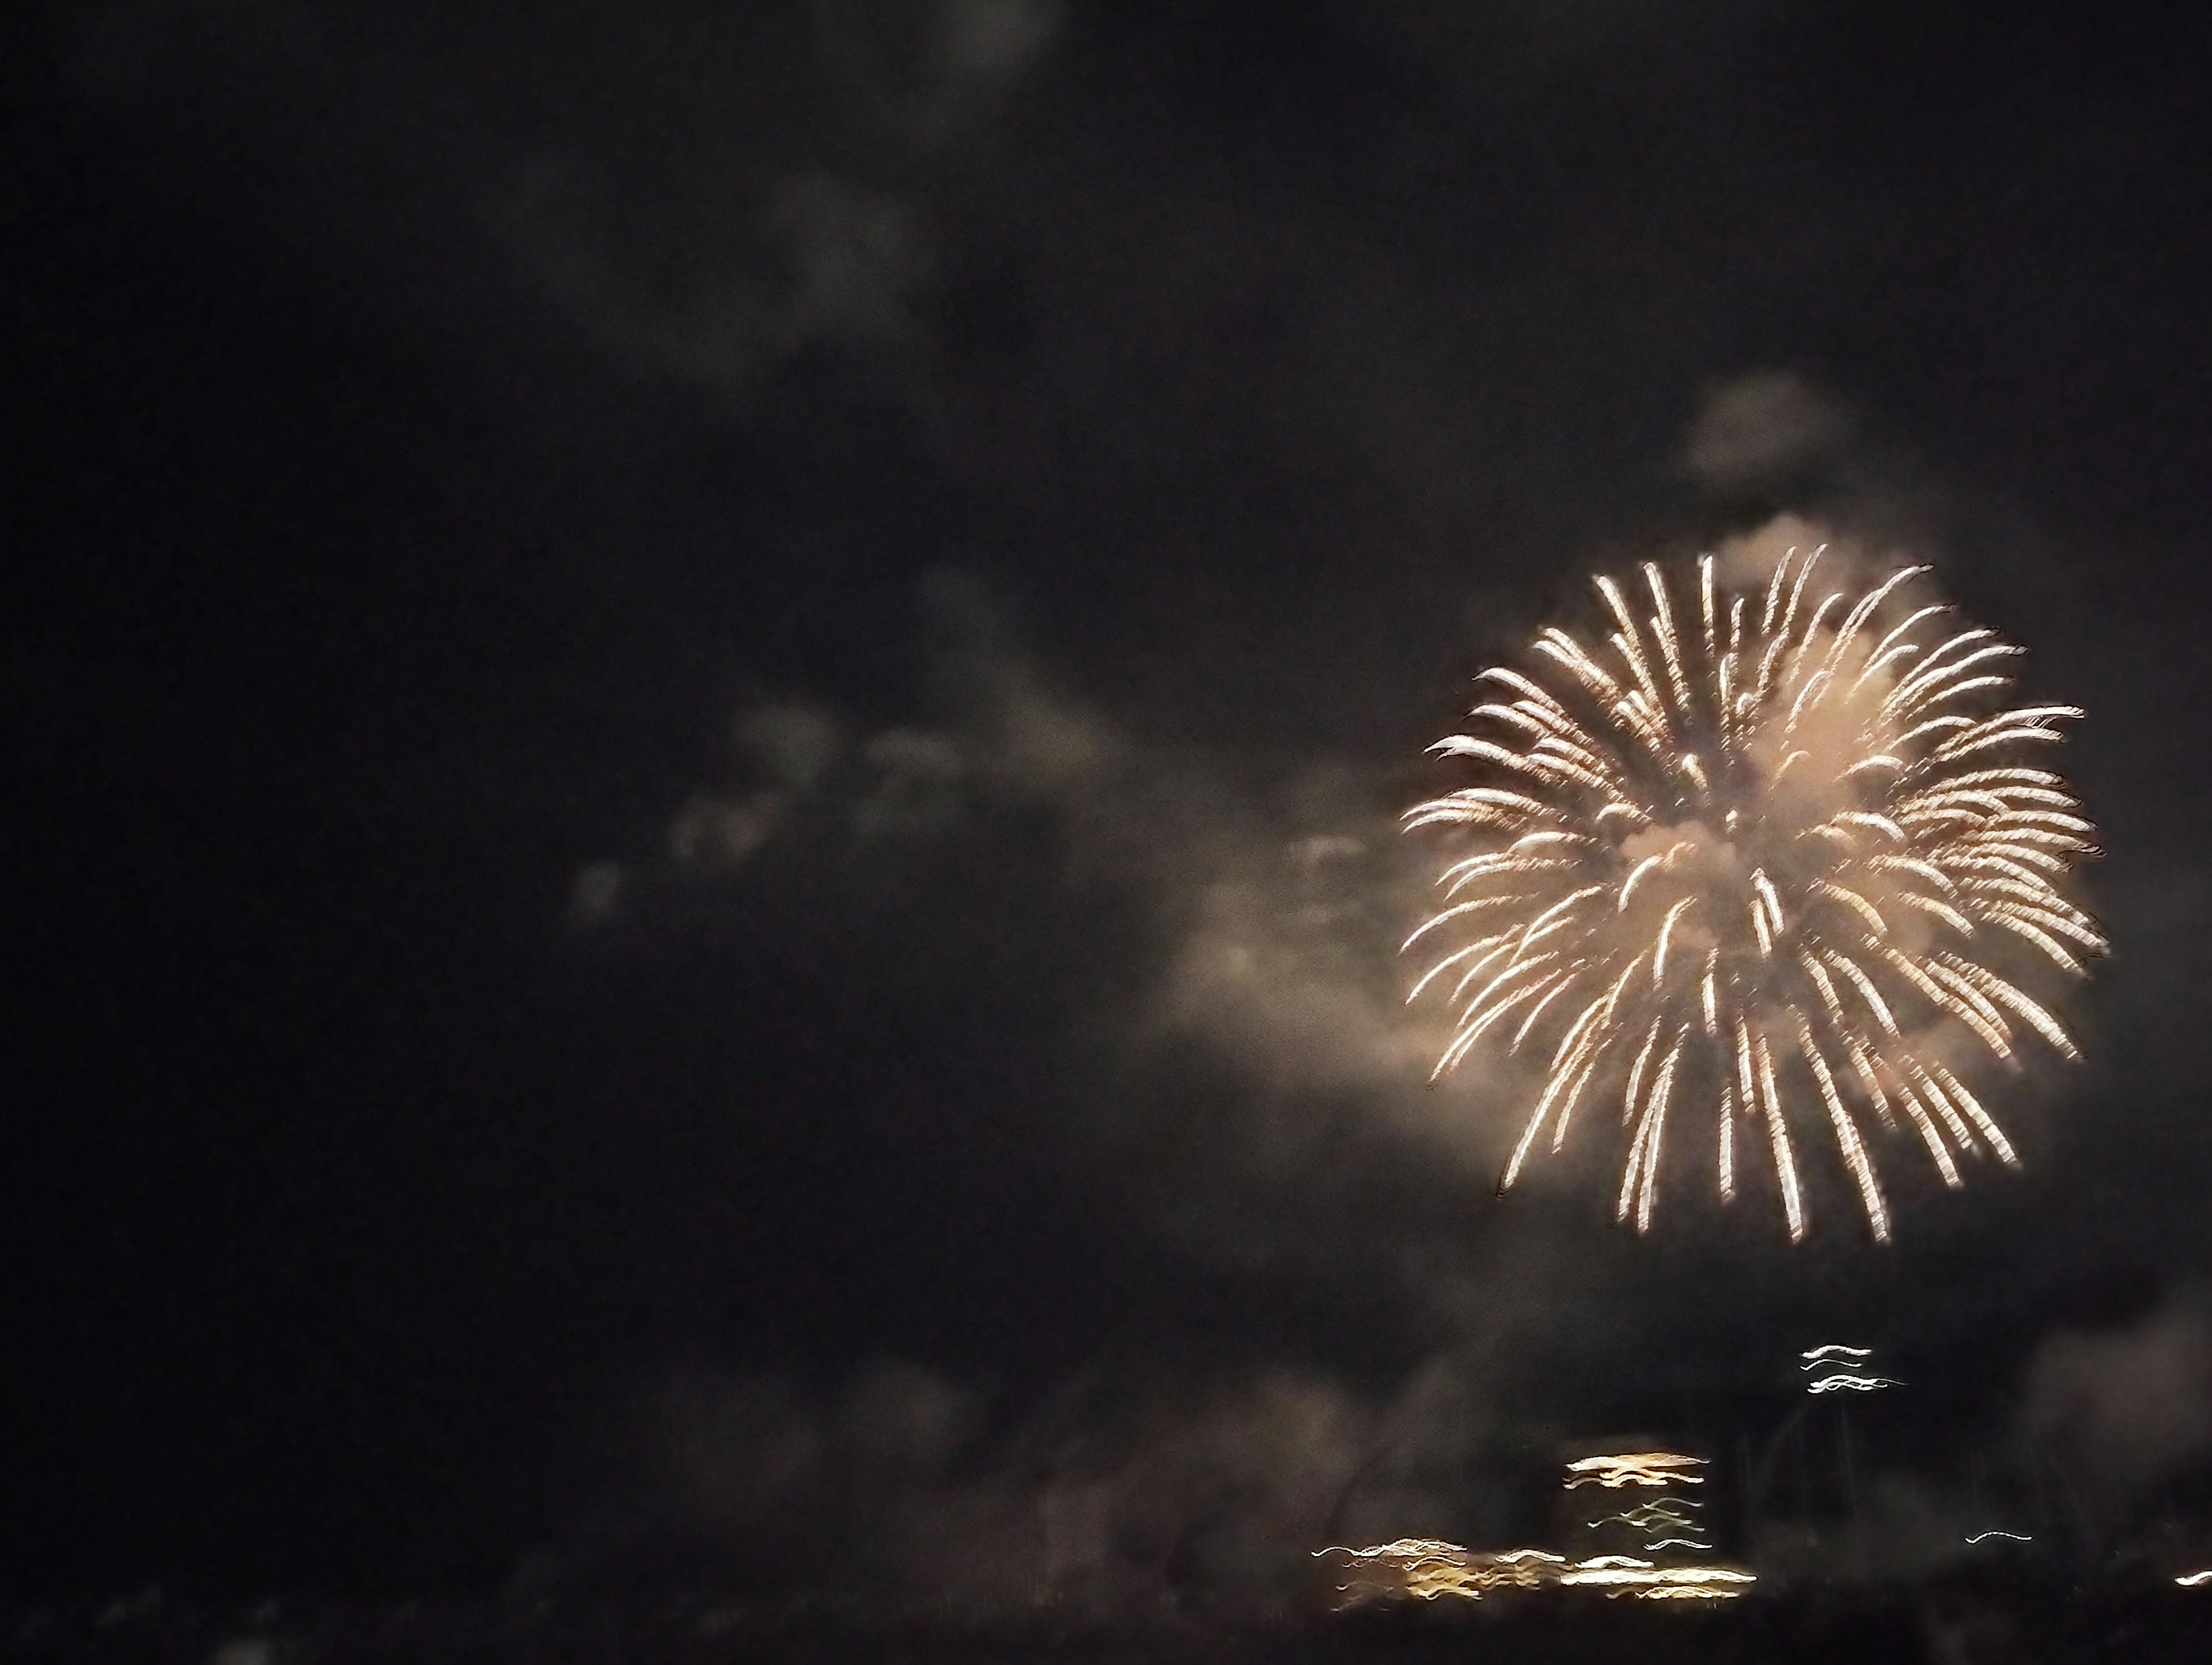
x: 791, y: 745
x: 1277, y: 935
x: 700, y: 194
x: 1763, y: 430
x: 1110, y: 1492
x: 2132, y: 1405
x: 713, y: 268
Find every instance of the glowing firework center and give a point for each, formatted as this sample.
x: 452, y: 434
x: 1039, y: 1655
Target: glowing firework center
x: 1776, y: 857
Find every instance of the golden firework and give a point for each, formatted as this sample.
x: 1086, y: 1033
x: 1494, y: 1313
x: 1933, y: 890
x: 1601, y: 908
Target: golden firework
x: 1772, y: 854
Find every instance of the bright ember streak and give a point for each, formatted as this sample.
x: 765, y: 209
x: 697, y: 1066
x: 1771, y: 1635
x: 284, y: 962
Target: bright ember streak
x: 1635, y: 1468
x: 1769, y: 856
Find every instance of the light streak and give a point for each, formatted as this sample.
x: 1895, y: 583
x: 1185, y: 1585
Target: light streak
x: 1857, y: 1384
x: 2191, y: 1580
x: 1426, y: 1569
x: 1635, y: 1468
x: 2016, y: 1537
x: 1668, y: 1512
x: 1798, y: 842
x: 1621, y: 1575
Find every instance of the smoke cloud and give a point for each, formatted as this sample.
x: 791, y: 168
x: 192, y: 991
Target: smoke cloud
x: 1118, y: 1490
x: 2131, y: 1405
x: 1280, y: 907
x: 1764, y: 429
x: 715, y: 258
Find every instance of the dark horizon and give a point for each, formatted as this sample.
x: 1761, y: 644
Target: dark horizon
x: 651, y: 652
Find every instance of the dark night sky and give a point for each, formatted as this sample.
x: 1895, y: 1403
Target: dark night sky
x: 651, y: 644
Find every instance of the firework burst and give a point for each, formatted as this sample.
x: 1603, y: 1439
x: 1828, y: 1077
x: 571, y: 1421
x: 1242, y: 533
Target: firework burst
x: 1778, y: 857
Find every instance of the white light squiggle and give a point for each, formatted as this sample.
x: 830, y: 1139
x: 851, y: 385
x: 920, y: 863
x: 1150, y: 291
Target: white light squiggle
x: 1666, y: 1512
x: 1857, y: 1384
x: 1831, y: 1352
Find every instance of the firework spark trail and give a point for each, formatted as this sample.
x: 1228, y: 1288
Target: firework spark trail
x: 1776, y: 856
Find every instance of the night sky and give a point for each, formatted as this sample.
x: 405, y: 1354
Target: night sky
x: 705, y: 704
